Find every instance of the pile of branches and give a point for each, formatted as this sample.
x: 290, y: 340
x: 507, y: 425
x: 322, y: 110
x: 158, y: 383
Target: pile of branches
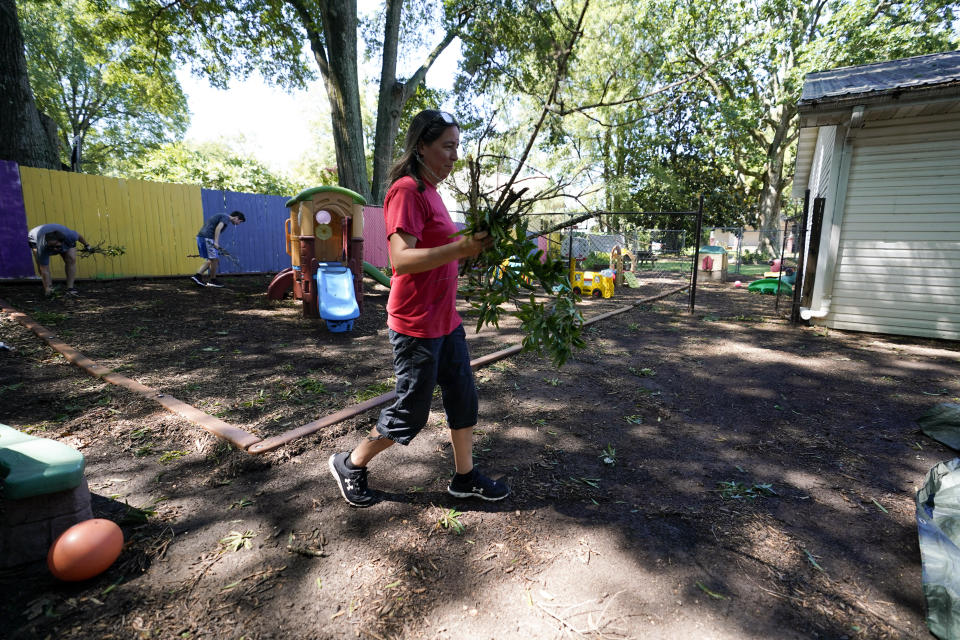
x: 111, y: 250
x: 514, y: 271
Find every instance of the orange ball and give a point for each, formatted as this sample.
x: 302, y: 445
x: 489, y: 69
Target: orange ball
x: 85, y: 550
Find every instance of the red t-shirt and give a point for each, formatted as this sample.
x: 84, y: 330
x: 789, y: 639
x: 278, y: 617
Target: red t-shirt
x: 422, y: 305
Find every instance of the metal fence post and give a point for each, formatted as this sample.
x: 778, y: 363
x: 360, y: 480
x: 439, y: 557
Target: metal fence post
x: 696, y: 255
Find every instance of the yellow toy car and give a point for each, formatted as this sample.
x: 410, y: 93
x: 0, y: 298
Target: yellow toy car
x: 592, y: 283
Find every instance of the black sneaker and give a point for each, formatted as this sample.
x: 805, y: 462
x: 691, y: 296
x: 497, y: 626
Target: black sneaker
x: 213, y: 283
x: 478, y: 486
x: 72, y: 291
x: 197, y: 279
x: 352, y: 483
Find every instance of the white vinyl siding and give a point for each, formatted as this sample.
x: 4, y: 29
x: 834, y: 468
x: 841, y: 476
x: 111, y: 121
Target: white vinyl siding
x: 898, y: 265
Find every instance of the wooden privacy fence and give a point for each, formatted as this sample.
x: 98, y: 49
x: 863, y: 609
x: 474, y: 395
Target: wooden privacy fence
x: 156, y: 224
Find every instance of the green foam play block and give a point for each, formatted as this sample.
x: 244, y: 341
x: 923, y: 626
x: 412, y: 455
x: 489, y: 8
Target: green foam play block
x: 31, y: 466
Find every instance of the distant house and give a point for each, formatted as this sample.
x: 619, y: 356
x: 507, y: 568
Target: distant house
x: 879, y: 151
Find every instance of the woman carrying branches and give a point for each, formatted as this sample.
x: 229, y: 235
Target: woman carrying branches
x: 429, y: 343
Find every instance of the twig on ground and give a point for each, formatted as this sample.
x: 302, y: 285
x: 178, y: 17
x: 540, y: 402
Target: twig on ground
x: 560, y: 620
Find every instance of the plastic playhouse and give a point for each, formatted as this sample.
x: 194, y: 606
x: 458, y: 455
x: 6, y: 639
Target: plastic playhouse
x: 45, y: 492
x: 325, y: 243
x: 712, y: 263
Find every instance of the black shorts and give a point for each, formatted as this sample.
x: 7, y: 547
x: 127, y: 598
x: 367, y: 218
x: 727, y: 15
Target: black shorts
x: 421, y: 364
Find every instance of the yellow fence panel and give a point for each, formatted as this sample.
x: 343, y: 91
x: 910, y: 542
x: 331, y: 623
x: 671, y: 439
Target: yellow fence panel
x: 155, y: 223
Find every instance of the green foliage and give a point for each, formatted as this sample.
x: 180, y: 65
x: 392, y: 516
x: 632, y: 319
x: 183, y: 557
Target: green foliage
x: 212, y: 166
x: 376, y: 389
x: 225, y: 40
x: 170, y: 456
x: 236, y: 540
x: 608, y: 456
x: 512, y: 271
x: 597, y: 261
x: 110, y: 251
x: 100, y: 81
x: 733, y: 490
x: 449, y: 520
x: 753, y: 257
x: 49, y: 317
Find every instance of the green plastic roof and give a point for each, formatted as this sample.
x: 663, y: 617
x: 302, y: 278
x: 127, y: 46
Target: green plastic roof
x: 309, y: 193
x: 712, y: 249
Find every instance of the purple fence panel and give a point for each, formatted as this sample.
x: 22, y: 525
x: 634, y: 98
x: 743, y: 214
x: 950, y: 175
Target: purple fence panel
x: 259, y: 244
x: 15, y: 258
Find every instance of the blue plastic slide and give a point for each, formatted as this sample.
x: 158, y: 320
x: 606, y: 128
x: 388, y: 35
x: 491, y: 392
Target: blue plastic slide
x: 338, y: 302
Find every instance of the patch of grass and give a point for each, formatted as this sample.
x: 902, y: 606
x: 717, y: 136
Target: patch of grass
x: 139, y: 515
x: 170, y: 456
x: 10, y: 387
x: 449, y: 520
x: 311, y: 385
x: 374, y: 390
x: 141, y: 439
x: 258, y: 399
x: 644, y: 372
x: 608, y: 456
x: 220, y: 449
x: 733, y: 490
x: 241, y: 503
x: 49, y: 317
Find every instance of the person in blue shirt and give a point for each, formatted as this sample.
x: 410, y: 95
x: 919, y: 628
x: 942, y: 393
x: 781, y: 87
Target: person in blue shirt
x: 208, y: 243
x: 51, y: 240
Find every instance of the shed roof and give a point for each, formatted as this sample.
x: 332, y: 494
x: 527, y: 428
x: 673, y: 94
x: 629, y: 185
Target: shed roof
x: 882, y: 77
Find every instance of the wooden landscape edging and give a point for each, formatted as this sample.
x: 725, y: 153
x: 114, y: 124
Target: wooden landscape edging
x: 234, y: 435
x: 244, y: 440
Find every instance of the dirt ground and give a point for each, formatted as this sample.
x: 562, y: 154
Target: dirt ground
x: 719, y: 475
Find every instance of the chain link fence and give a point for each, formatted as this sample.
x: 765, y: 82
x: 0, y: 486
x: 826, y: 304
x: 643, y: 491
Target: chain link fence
x: 652, y: 260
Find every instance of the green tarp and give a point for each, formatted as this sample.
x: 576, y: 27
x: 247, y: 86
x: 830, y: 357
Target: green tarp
x: 938, y: 525
x: 942, y: 423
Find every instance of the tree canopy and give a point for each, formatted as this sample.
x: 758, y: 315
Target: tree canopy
x: 212, y: 166
x: 109, y: 95
x: 670, y: 99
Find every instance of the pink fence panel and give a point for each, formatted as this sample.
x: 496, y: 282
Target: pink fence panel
x: 375, y: 237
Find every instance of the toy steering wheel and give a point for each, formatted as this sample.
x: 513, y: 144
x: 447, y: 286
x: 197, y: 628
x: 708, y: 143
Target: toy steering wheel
x: 323, y: 231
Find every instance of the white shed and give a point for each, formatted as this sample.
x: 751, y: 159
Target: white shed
x: 879, y: 151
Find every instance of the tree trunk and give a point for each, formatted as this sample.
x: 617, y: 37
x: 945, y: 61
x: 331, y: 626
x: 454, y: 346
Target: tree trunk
x: 23, y: 138
x: 343, y: 91
x: 390, y: 102
x: 774, y: 183
x: 395, y: 94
